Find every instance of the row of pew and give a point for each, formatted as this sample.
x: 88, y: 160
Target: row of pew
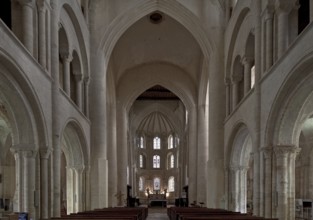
x: 190, y: 213
x: 121, y: 213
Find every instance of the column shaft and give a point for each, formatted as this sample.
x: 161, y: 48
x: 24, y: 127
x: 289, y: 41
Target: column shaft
x: 235, y: 94
x: 56, y: 128
x: 282, y: 32
x: 269, y: 38
x: 18, y: 195
x: 78, y: 78
x: 29, y: 183
x: 247, y: 62
x: 42, y: 36
x: 227, y: 104
x: 192, y: 157
x: 66, y: 59
x: 285, y: 156
x: 268, y: 182
x: 202, y: 156
x: 44, y: 182
x: 86, y: 96
x: 122, y: 151
x: 27, y: 25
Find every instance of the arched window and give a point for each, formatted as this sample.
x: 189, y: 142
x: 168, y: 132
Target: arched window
x: 141, y: 161
x: 156, y: 161
x: 156, y: 143
x: 141, y: 145
x: 156, y: 183
x: 141, y: 183
x: 172, y: 161
x: 171, y: 184
x: 170, y: 142
x: 252, y: 76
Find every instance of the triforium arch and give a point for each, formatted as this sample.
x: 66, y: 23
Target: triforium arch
x: 240, y: 170
x: 24, y: 133
x: 74, y: 168
x: 285, y: 132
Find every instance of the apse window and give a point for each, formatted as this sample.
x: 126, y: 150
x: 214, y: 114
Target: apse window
x: 252, y: 76
x: 171, y: 184
x: 156, y: 183
x: 156, y: 161
x: 170, y: 142
x: 140, y: 161
x: 172, y: 161
x: 156, y: 143
x: 141, y: 144
x: 141, y: 184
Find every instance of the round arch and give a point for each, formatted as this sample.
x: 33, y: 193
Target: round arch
x: 74, y: 148
x: 239, y: 163
x: 171, y: 8
x: 156, y: 74
x: 291, y: 109
x: 20, y: 103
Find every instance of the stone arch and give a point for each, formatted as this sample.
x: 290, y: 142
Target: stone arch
x: 291, y: 109
x: 231, y: 42
x: 156, y: 74
x: 171, y: 8
x: 164, y: 110
x: 74, y: 148
x: 240, y: 168
x: 20, y: 103
x: 26, y: 129
x: 74, y: 26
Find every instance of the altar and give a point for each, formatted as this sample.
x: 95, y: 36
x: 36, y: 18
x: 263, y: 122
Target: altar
x: 157, y: 200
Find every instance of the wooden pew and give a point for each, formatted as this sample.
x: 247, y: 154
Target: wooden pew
x: 139, y: 213
x: 189, y: 213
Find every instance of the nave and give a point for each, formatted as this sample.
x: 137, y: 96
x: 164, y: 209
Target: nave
x: 157, y: 214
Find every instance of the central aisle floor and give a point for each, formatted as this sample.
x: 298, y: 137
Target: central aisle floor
x: 157, y: 214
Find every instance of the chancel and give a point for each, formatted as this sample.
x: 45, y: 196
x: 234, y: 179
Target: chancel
x: 126, y: 105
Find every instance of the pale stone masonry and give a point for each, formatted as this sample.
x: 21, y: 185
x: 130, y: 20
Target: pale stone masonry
x: 86, y: 86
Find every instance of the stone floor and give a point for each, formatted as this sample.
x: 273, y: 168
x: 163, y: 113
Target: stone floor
x: 157, y: 214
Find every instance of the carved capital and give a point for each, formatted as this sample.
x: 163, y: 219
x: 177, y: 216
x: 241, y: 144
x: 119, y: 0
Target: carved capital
x: 227, y: 81
x: 41, y: 5
x: 78, y: 76
x: 268, y: 12
x: 86, y: 80
x: 283, y: 151
x: 267, y: 152
x: 29, y: 153
x: 66, y: 56
x: 79, y: 168
x: 235, y: 78
x: 247, y: 60
x: 45, y: 153
x: 284, y: 6
x: 28, y: 3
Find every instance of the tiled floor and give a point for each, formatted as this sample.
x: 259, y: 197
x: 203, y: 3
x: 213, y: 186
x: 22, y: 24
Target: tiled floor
x: 157, y: 214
